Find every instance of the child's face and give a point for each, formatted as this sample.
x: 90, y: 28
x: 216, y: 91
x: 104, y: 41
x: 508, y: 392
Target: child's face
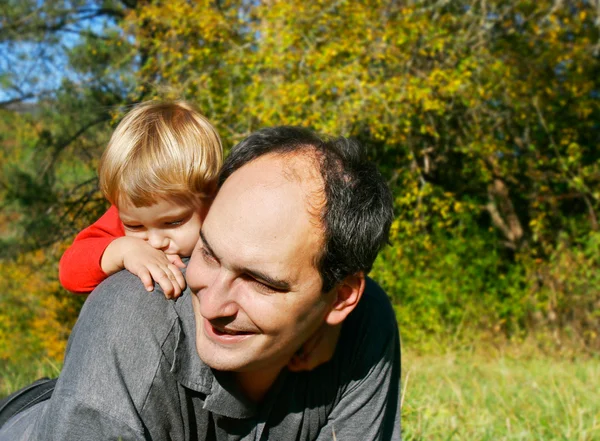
x: 169, y: 226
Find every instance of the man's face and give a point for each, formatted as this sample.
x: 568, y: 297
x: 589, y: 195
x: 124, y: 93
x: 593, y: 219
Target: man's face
x: 257, y: 291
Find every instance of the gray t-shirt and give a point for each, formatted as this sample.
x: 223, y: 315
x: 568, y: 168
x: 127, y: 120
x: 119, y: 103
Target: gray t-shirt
x: 132, y: 373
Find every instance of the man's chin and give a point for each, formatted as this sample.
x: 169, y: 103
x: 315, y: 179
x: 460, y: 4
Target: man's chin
x: 216, y: 356
x: 219, y: 359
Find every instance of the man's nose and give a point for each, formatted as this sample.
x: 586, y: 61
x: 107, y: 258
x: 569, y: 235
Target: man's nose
x: 157, y: 240
x: 217, y: 299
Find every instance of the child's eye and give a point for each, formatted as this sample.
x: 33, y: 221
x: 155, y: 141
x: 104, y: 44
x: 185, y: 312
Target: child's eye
x: 175, y: 223
x: 133, y: 227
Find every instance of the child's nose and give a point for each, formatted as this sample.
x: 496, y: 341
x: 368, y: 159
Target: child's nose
x: 157, y: 240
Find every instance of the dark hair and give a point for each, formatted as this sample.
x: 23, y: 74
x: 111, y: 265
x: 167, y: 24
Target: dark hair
x: 358, y: 210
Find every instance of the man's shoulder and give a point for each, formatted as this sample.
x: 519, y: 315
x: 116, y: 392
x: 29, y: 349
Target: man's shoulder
x: 123, y: 283
x: 122, y: 300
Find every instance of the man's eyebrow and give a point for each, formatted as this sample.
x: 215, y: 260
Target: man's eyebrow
x: 273, y: 282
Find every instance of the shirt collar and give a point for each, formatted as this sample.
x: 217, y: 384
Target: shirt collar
x: 222, y: 394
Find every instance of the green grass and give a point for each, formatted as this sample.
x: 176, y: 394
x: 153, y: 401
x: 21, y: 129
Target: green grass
x: 13, y: 377
x: 500, y: 398
x: 466, y: 396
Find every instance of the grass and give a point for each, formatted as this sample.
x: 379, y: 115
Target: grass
x: 501, y: 398
x: 468, y: 396
x: 13, y: 377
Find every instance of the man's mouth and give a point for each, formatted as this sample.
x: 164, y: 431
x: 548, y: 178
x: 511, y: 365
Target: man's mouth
x: 225, y: 331
x: 224, y: 334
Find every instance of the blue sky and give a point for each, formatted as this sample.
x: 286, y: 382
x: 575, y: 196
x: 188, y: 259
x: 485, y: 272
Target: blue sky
x: 28, y: 67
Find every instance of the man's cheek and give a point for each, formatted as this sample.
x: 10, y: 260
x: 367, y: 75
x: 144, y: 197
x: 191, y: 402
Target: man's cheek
x: 191, y: 274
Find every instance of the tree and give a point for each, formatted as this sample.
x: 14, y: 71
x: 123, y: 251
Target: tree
x: 482, y: 114
x: 77, y: 66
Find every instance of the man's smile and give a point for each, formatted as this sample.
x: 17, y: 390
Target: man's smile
x: 224, y: 334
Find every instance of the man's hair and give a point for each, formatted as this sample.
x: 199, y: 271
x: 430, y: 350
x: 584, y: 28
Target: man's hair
x: 161, y: 150
x: 358, y: 209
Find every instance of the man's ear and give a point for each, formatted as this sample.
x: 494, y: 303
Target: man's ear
x: 347, y: 293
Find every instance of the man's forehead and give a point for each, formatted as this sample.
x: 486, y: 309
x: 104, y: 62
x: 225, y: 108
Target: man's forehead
x: 274, y: 187
x: 261, y: 219
x: 300, y: 168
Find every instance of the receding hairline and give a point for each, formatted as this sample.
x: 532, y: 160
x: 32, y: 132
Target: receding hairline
x: 294, y: 169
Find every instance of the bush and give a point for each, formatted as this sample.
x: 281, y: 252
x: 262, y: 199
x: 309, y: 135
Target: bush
x: 564, y: 291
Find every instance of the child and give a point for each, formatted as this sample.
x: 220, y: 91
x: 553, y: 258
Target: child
x: 159, y: 172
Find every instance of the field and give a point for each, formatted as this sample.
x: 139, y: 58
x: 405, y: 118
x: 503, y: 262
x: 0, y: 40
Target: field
x: 466, y: 396
x: 501, y: 397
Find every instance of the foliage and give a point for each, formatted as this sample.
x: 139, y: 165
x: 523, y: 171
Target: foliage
x: 455, y: 285
x: 483, y: 116
x: 565, y: 291
x: 494, y: 102
x: 36, y: 316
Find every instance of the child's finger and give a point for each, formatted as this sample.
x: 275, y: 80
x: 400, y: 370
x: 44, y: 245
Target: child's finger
x: 176, y: 260
x: 178, y: 275
x: 168, y: 286
x: 146, y: 279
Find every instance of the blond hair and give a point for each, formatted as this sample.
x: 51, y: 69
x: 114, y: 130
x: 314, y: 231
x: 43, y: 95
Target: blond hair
x: 161, y: 150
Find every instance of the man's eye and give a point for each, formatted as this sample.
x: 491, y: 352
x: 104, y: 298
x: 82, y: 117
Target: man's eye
x: 263, y: 287
x: 208, y: 257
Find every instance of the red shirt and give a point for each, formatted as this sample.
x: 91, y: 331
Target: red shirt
x: 79, y: 270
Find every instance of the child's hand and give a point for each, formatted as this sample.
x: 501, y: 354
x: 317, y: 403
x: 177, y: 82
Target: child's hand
x: 148, y: 263
x: 318, y: 349
x: 152, y: 265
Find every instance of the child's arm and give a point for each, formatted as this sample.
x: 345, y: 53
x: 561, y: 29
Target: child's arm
x: 318, y: 349
x: 103, y: 249
x: 79, y: 270
x: 149, y: 264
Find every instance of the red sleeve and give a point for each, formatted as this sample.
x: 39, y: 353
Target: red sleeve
x: 79, y: 270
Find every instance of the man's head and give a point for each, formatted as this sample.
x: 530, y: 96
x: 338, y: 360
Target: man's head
x: 161, y: 150
x: 355, y: 211
x: 295, y: 226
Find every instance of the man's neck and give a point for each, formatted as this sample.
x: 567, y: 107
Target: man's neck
x: 256, y: 385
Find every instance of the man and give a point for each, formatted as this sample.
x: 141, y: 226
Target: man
x: 283, y: 253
